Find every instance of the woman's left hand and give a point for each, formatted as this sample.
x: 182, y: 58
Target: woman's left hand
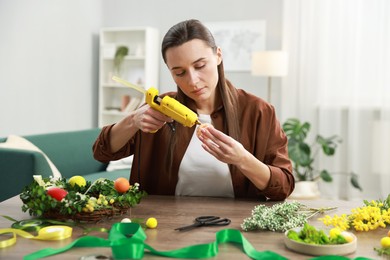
x: 222, y: 146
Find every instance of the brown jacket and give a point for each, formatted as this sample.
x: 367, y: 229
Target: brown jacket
x: 261, y: 134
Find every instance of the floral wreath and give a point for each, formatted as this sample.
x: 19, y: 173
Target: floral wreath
x: 78, y: 199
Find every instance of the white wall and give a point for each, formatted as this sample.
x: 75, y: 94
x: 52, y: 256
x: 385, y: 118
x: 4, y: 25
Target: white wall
x: 48, y: 65
x: 49, y: 53
x: 162, y: 14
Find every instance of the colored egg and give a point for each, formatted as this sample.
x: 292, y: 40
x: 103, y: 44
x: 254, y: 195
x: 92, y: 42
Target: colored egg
x: 57, y: 193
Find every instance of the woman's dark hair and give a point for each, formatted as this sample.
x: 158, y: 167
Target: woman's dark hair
x: 193, y: 29
x: 184, y: 32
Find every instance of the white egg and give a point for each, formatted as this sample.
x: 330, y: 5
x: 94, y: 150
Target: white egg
x: 126, y: 220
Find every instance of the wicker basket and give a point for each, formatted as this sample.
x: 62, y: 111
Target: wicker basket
x: 96, y: 216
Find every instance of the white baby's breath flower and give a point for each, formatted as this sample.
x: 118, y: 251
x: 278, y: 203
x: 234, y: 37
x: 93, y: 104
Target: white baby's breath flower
x: 279, y: 217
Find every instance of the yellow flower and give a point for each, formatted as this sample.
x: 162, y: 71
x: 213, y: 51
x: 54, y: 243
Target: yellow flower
x: 373, y: 215
x: 341, y: 222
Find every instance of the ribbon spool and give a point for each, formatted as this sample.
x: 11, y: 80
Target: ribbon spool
x: 45, y: 233
x: 29, y: 225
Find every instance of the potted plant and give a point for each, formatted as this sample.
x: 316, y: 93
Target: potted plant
x: 303, y: 155
x: 120, y: 54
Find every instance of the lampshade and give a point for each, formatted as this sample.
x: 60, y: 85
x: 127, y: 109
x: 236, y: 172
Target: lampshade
x: 270, y: 63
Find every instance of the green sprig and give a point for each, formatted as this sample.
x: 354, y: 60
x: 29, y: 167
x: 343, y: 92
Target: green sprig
x: 385, y: 203
x: 280, y: 217
x: 382, y: 251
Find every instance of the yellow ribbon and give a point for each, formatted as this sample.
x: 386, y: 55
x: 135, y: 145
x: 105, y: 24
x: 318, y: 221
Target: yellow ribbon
x: 46, y: 233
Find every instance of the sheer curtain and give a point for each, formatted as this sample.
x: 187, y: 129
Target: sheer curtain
x: 339, y: 81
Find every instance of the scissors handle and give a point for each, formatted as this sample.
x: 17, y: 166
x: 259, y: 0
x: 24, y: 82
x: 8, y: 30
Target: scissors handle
x: 213, y: 221
x: 206, y: 221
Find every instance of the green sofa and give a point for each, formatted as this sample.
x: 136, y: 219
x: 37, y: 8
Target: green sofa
x: 70, y: 152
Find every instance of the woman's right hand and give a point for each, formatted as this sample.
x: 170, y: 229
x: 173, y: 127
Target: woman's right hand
x: 144, y: 118
x: 148, y: 119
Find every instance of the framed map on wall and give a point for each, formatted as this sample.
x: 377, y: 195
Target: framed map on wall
x: 238, y: 39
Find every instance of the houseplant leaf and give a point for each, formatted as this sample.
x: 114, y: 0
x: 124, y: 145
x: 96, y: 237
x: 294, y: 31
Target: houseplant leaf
x: 295, y: 130
x: 354, y: 181
x: 299, y: 153
x: 329, y: 144
x: 303, y: 155
x: 325, y: 176
x: 120, y: 54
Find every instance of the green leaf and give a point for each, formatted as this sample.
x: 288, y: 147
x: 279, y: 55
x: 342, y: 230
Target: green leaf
x: 295, y: 130
x: 386, y: 202
x: 299, y: 153
x: 9, y: 218
x: 355, y: 182
x: 325, y: 176
x: 329, y: 144
x: 120, y: 54
x: 382, y: 251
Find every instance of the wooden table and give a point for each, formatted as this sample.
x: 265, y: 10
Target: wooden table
x: 173, y: 212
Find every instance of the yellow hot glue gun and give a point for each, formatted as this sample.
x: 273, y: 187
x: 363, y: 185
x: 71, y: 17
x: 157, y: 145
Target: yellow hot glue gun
x: 166, y: 105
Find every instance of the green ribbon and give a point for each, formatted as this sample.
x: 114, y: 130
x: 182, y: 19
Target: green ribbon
x: 127, y: 242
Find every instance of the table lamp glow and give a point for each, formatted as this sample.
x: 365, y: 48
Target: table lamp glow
x: 270, y: 64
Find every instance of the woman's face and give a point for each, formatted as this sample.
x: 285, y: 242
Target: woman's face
x: 193, y: 66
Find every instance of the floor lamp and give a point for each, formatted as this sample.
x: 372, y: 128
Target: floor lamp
x: 270, y: 64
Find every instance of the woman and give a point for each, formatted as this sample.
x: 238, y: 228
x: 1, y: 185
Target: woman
x: 243, y: 155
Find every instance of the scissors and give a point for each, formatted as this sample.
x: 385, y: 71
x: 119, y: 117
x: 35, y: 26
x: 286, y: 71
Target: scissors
x: 206, y: 221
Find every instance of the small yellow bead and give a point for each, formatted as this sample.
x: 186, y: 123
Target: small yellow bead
x: 151, y: 222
